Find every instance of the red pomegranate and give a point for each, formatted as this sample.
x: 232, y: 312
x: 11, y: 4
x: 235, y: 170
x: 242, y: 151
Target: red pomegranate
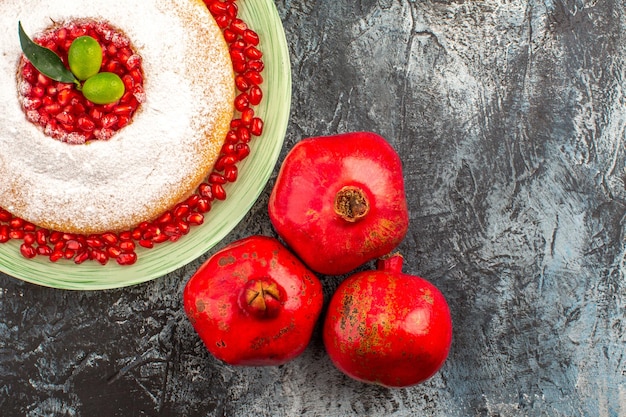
x: 254, y: 303
x: 388, y: 328
x: 339, y: 201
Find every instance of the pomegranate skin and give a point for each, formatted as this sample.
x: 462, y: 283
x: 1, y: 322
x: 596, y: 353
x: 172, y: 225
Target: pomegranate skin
x: 388, y: 328
x: 339, y: 201
x: 241, y: 325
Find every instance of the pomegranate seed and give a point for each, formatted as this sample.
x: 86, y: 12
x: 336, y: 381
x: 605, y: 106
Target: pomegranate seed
x: 253, y: 53
x: 43, y: 81
x: 181, y: 210
x: 148, y: 244
x: 250, y: 37
x: 237, y: 56
x: 232, y: 10
x: 108, y: 121
x: 217, y: 7
x: 109, y: 238
x: 230, y: 173
x: 65, y: 118
x: 243, y: 150
x: 28, y: 251
x: 127, y: 246
x: 222, y: 20
x: 239, y: 66
x: 4, y: 233
x: 204, y: 205
x: 241, y: 83
x: 127, y: 258
x: 86, y: 124
x: 29, y: 238
x: 243, y: 133
x: 218, y: 191
x: 256, y: 127
x: 255, y: 95
x: 254, y: 77
x: 205, y: 190
x: 81, y: 257
x: 257, y: 66
x: 5, y: 216
x: 55, y: 256
x: 229, y: 35
x: 196, y: 218
x: 238, y: 26
x: 242, y: 101
x: 44, y: 250
x: 247, y: 115
x: 215, y: 178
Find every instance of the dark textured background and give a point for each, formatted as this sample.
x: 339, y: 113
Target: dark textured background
x: 510, y: 119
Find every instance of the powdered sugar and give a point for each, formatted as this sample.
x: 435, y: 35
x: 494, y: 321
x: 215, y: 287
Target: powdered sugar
x: 150, y: 164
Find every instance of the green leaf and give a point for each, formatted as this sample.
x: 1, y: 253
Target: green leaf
x: 45, y: 60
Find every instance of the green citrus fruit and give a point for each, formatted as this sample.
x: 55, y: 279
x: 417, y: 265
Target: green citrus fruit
x: 103, y: 88
x: 84, y: 57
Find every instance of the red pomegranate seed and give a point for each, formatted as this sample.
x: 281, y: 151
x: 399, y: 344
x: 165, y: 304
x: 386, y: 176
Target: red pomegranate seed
x: 109, y: 238
x: 127, y: 258
x: 217, y: 7
x: 253, y: 53
x: 247, y: 115
x: 28, y: 251
x: 250, y: 37
x: 230, y: 173
x: 4, y: 233
x: 56, y: 255
x: 218, y: 191
x: 127, y: 246
x: 241, y: 83
x: 257, y: 66
x: 243, y: 133
x: 181, y: 210
x: 254, y: 77
x: 148, y: 244
x: 204, y: 205
x: 81, y: 257
x: 5, y: 216
x: 196, y: 218
x: 243, y: 150
x: 44, y: 250
x: 238, y: 26
x: 242, y: 102
x: 256, y: 127
x: 86, y: 124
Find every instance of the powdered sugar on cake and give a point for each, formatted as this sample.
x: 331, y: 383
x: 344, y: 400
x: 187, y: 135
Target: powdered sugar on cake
x: 147, y: 166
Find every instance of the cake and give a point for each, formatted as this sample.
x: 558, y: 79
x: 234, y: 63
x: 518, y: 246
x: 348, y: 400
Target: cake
x: 153, y: 162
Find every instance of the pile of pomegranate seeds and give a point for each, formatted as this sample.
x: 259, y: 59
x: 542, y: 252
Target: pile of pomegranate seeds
x: 60, y: 109
x: 175, y: 223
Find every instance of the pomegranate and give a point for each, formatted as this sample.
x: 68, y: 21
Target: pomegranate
x: 254, y: 303
x: 388, y: 328
x: 339, y: 201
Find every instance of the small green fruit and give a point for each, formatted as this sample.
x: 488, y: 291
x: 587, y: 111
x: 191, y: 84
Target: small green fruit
x: 103, y: 88
x: 84, y: 57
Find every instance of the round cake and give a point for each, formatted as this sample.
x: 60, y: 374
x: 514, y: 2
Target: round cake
x: 147, y: 166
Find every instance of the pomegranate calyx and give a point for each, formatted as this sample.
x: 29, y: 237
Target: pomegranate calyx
x: 390, y: 263
x: 262, y: 297
x: 351, y: 203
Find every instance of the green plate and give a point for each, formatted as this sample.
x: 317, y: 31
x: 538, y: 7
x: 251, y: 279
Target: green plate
x: 254, y: 172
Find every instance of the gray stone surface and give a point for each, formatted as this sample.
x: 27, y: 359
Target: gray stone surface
x: 510, y: 119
